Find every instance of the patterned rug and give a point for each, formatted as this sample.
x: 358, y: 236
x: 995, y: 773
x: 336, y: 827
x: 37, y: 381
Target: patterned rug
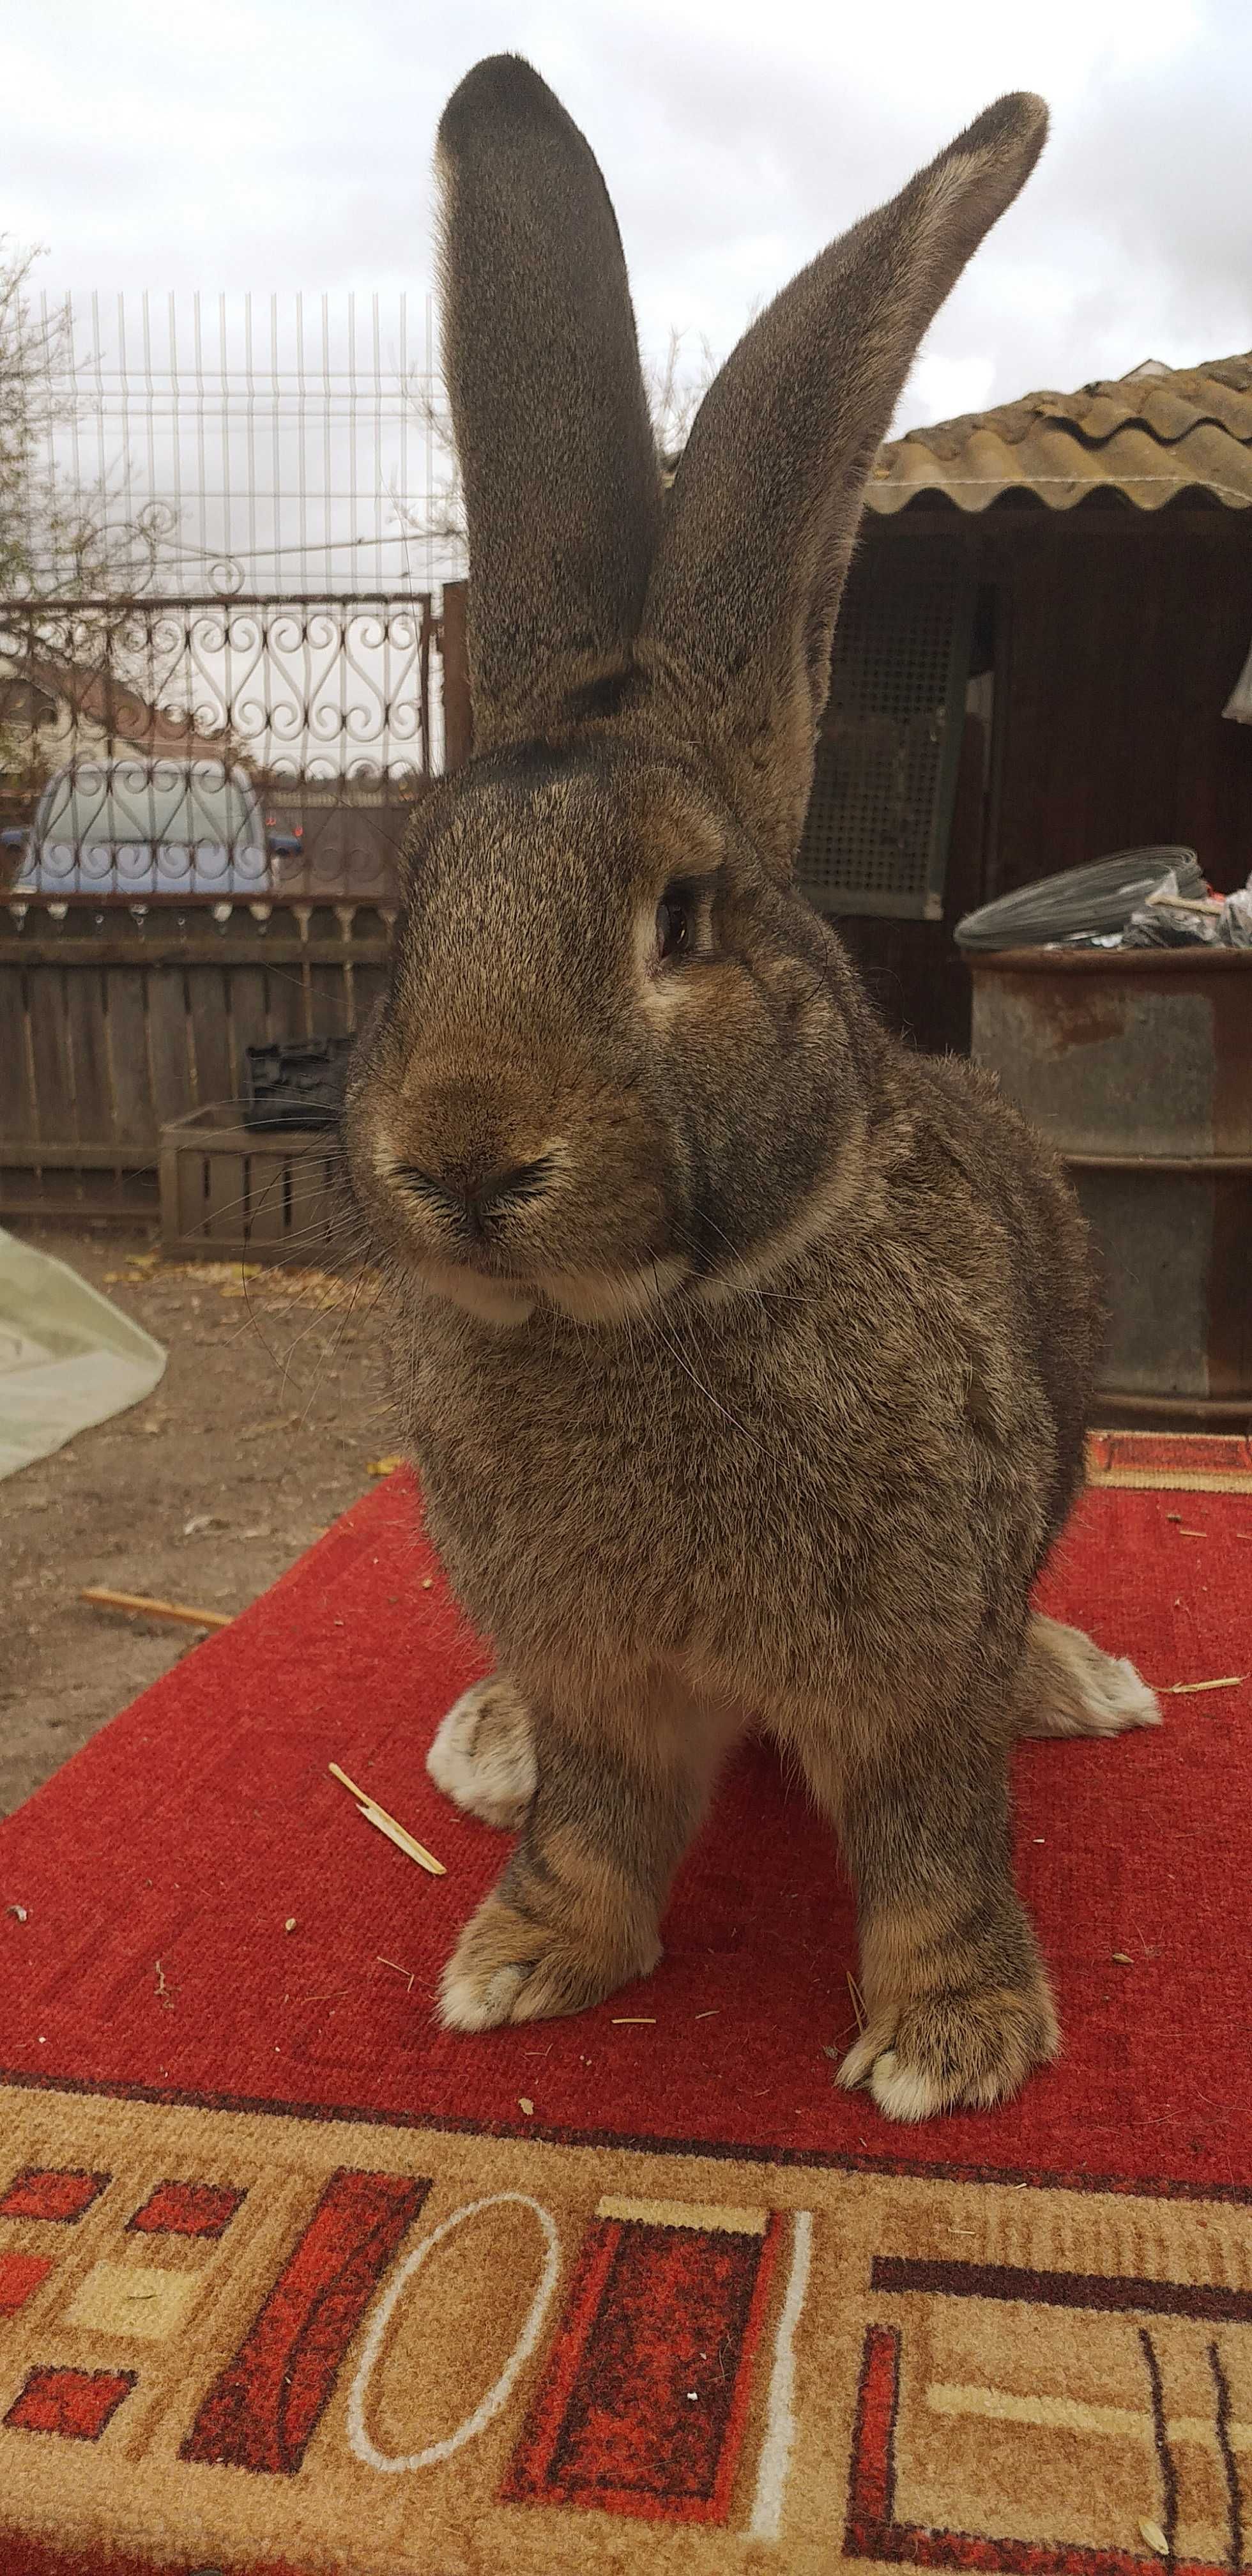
x: 293, y: 2282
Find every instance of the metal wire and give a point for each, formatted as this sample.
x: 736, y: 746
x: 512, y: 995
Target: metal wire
x: 278, y: 459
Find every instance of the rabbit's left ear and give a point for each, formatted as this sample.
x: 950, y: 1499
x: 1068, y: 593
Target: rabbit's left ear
x: 558, y: 462
x: 736, y: 633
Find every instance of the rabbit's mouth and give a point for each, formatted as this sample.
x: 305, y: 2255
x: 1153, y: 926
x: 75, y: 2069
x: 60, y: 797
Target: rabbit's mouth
x: 501, y: 1282
x: 479, y: 1291
x: 615, y: 1297
x: 499, y: 1295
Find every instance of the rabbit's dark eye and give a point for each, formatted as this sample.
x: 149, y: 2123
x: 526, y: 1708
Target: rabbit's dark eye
x: 673, y: 927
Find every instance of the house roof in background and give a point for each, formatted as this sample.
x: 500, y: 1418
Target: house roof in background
x: 1147, y: 436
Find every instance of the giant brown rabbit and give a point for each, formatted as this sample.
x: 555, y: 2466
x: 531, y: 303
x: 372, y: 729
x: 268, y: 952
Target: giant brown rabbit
x: 743, y: 1352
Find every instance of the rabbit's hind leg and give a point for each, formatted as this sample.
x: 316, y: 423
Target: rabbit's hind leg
x: 576, y: 1913
x: 1068, y: 1686
x: 957, y: 2003
x: 483, y: 1754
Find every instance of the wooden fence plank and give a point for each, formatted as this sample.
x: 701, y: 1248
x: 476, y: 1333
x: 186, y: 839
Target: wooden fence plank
x: 63, y: 1195
x: 458, y: 714
x: 247, y: 996
x: 77, y: 1157
x: 159, y: 950
x: 169, y: 1043
x: 49, y: 1026
x: 371, y: 951
x: 329, y: 980
x: 94, y: 1111
x: 287, y: 989
x: 285, y: 1000
x: 130, y: 1070
x: 209, y: 1022
x: 37, y: 1199
x: 369, y: 983
x: 17, y: 1084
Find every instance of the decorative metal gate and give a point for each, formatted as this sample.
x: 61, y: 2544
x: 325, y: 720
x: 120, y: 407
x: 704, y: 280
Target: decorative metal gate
x: 214, y: 748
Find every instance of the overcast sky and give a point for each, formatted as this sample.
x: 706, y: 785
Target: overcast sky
x: 282, y: 143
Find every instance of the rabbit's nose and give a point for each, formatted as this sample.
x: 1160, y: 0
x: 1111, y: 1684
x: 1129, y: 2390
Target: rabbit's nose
x: 475, y: 1196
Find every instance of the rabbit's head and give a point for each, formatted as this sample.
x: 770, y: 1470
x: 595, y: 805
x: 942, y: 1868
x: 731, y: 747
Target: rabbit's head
x: 620, y: 1053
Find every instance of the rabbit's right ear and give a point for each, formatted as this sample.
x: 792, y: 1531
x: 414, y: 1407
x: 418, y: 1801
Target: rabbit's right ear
x: 557, y: 457
x: 735, y: 642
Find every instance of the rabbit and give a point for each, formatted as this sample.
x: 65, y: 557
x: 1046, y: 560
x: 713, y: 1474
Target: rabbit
x: 744, y: 1353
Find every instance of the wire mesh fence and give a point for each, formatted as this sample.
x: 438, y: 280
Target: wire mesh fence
x: 224, y: 536
x: 285, y: 445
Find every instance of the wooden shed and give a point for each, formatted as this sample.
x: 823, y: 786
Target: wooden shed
x: 1049, y: 608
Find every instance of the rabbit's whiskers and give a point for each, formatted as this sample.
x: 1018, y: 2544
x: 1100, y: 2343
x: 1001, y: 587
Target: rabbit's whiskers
x: 697, y: 1381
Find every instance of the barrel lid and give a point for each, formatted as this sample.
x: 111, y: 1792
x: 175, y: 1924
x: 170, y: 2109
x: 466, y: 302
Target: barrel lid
x: 1195, y: 959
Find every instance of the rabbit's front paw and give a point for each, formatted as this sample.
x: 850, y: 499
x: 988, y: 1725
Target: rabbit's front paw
x: 946, y: 2051
x: 507, y: 1967
x: 483, y: 1756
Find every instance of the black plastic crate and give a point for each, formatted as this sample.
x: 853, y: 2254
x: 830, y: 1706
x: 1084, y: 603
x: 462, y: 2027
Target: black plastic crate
x: 295, y: 1085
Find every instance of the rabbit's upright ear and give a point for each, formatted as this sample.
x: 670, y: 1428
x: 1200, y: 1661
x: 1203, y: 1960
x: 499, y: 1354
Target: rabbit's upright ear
x: 736, y: 634
x: 558, y: 462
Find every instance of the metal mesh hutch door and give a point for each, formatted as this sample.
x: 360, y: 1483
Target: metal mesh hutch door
x: 876, y: 834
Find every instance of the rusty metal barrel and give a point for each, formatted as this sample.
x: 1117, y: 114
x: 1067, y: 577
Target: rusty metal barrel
x: 1137, y: 1065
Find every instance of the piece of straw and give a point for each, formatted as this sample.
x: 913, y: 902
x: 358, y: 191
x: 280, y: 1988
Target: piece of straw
x: 1181, y: 1690
x: 140, y: 1607
x: 362, y: 1794
x: 386, y: 1824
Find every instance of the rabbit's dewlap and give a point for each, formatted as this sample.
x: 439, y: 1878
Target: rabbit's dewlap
x: 744, y: 1353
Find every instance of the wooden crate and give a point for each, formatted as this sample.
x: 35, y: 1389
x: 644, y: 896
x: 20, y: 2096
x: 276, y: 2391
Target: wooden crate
x: 231, y: 1192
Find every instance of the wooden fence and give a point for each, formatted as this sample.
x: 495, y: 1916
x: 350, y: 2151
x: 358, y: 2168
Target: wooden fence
x: 111, y: 1025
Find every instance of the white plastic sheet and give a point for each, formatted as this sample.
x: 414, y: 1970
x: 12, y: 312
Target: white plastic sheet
x: 68, y: 1358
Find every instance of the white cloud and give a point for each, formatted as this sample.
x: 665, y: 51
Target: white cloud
x: 287, y: 143
x: 942, y: 388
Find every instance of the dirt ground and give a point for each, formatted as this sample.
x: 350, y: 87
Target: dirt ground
x: 260, y: 1433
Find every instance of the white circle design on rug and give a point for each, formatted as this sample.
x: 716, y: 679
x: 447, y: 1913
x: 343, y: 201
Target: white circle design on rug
x: 502, y: 2388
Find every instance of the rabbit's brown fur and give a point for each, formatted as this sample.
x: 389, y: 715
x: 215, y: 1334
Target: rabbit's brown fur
x: 744, y: 1353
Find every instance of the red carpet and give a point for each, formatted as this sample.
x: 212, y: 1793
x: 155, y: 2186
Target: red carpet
x: 256, y: 2133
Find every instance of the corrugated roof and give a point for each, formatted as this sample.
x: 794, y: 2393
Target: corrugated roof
x: 1149, y: 436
